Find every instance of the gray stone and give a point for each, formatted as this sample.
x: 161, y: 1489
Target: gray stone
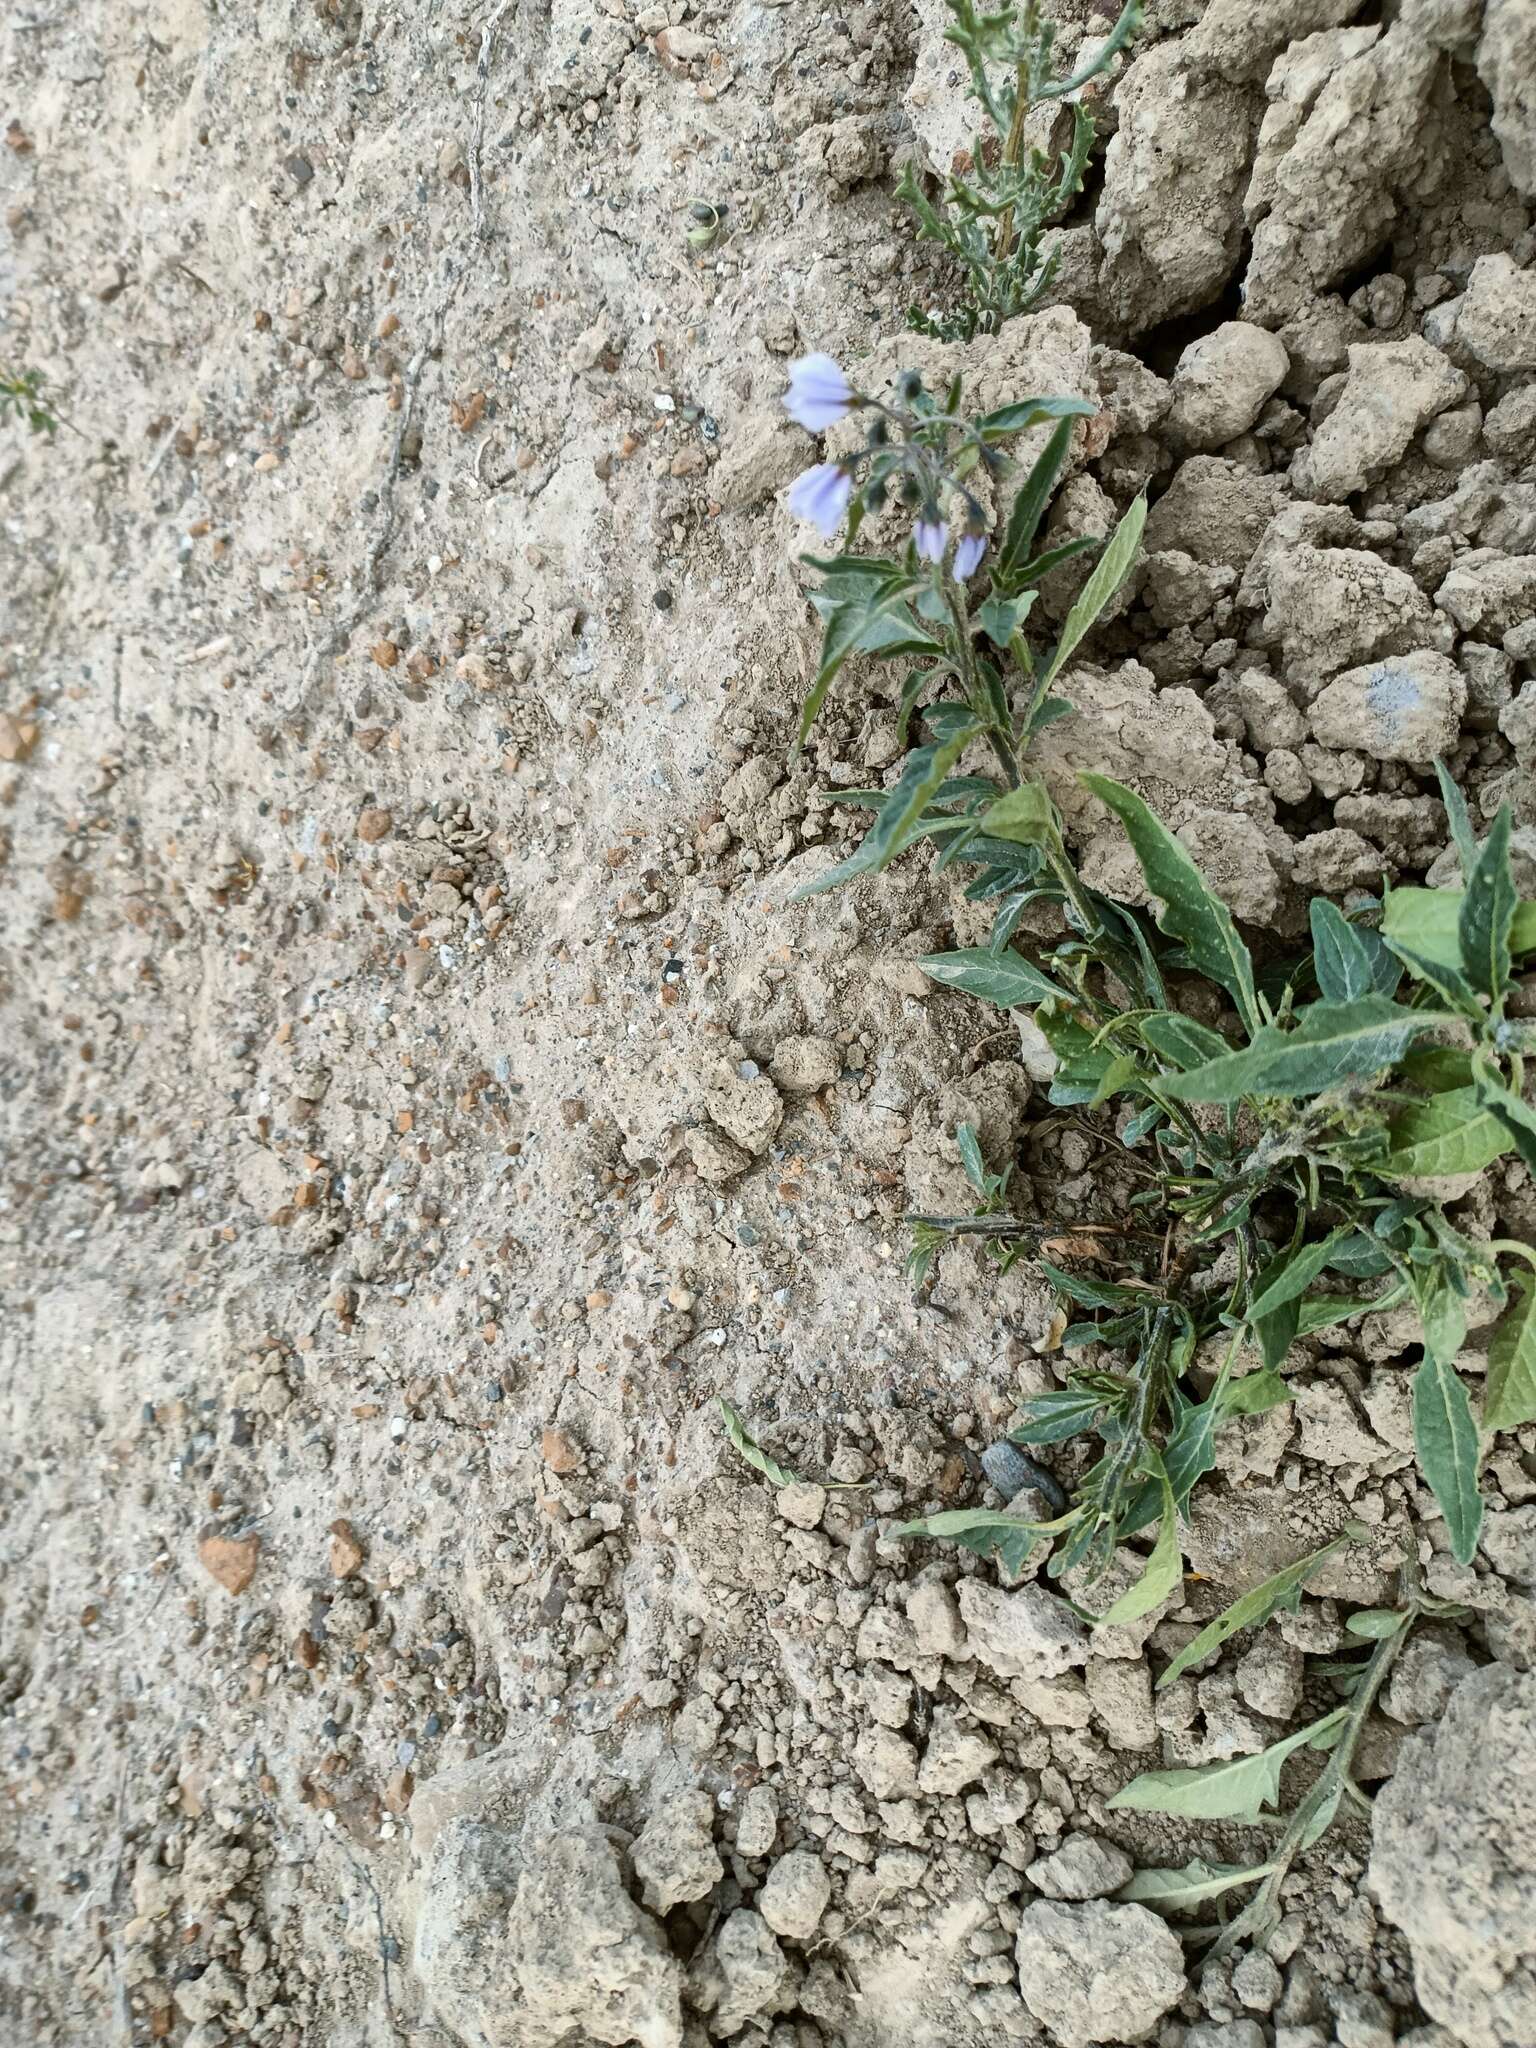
x: 1405, y: 708
x: 587, y: 1959
x: 1097, y: 1973
x: 1027, y: 1633
x: 795, y: 1894
x: 674, y: 1854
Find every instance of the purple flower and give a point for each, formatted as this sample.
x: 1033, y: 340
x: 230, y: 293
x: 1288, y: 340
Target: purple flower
x: 928, y: 537
x: 818, y: 395
x: 969, y: 549
x: 821, y: 495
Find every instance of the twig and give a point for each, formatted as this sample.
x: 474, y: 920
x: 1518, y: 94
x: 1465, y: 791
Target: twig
x: 477, y: 127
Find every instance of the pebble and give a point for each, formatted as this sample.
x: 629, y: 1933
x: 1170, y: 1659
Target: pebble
x: 347, y: 1552
x: 230, y: 1559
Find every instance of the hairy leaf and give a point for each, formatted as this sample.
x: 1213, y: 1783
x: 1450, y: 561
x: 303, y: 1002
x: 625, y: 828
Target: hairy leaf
x: 752, y: 1450
x: 1052, y: 1418
x: 1084, y: 1289
x: 1288, y: 1277
x: 1445, y: 1437
x: 1029, y: 505
x: 1457, y: 818
x: 1161, y: 1573
x: 1109, y: 572
x: 1488, y: 913
x: 1512, y: 1112
x: 1028, y: 412
x: 1428, y: 921
x: 1180, y: 1891
x: 988, y: 1531
x: 1191, y: 910
x: 1450, y: 1133
x: 1332, y: 1042
x: 1349, y: 960
x: 1182, y: 1041
x: 1252, y: 1609
x: 900, y: 818
x: 1239, y: 1789
x: 1006, y: 979
x: 1509, y: 1399
x: 1025, y: 815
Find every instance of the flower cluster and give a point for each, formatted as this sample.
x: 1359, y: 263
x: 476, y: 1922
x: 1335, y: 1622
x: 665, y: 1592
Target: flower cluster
x: 914, y: 460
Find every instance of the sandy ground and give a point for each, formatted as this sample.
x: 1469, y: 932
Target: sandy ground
x: 420, y: 1104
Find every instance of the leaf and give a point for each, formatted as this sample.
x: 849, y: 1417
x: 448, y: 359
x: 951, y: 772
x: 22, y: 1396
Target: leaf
x: 1180, y: 1891
x: 1091, y: 1293
x: 1332, y: 1042
x: 1163, y: 1570
x: 1428, y: 921
x: 1254, y: 1394
x: 1047, y: 712
x: 1191, y: 911
x: 1238, y: 1789
x: 1001, y: 617
x: 899, y: 820
x: 1109, y: 572
x: 1182, y: 1040
x: 1450, y: 1133
x: 1052, y: 1418
x: 988, y: 1530
x: 970, y: 1157
x: 1025, y: 815
x: 1349, y: 960
x: 1006, y: 979
x: 1488, y: 913
x: 1511, y: 1112
x: 752, y: 1450
x: 1458, y: 820
x: 847, y: 622
x: 1375, y: 1624
x: 1028, y: 412
x: 1252, y: 1609
x: 1509, y: 1398
x: 1445, y: 1437
x: 1029, y: 505
x: 1287, y: 1278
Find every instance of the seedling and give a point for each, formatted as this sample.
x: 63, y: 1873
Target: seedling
x: 998, y: 199
x: 21, y: 397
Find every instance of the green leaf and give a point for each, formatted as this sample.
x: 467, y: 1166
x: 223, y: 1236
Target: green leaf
x: 1109, y: 572
x: 1456, y: 816
x: 1375, y: 1624
x: 752, y: 1450
x: 1180, y: 1891
x: 1182, y: 1041
x: 987, y: 1531
x: 1000, y: 617
x: 1445, y: 1437
x: 1252, y: 1609
x: 1163, y: 1570
x: 970, y: 1157
x: 1288, y: 1277
x: 900, y: 820
x: 1509, y: 1398
x: 1025, y: 815
x: 1028, y: 412
x: 1006, y: 979
x: 1029, y: 505
x: 1191, y: 910
x: 1450, y: 1133
x: 1332, y: 1042
x: 1091, y: 1293
x: 1488, y: 913
x: 1428, y: 921
x: 1238, y: 1789
x: 1254, y: 1394
x: 1349, y: 960
x: 1052, y: 1418
x: 1512, y: 1112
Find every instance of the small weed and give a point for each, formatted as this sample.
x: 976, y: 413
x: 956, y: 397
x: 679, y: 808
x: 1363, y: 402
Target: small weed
x: 21, y: 397
x: 993, y: 208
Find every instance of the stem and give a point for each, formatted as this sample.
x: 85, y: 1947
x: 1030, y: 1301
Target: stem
x: 1013, y: 149
x: 975, y: 696
x: 1261, y: 1916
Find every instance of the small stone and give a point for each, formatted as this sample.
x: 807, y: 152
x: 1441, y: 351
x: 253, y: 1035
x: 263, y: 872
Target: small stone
x: 347, y: 1553
x: 230, y: 1559
x: 18, y: 736
x: 1406, y: 708
x: 802, y: 1504
x: 804, y: 1066
x: 1098, y: 1973
x: 716, y: 1158
x: 674, y: 1854
x: 558, y: 1452
x: 1028, y: 1633
x: 1082, y: 1868
x: 374, y: 824
x: 795, y: 1895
